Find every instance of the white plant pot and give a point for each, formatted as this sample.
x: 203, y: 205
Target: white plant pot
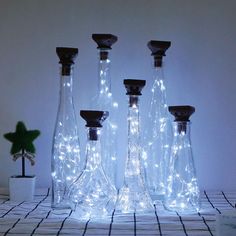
x: 21, y: 188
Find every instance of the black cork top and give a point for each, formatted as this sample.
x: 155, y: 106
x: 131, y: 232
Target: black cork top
x: 94, y: 118
x: 104, y: 41
x: 181, y: 113
x: 134, y: 87
x: 67, y: 57
x: 158, y: 49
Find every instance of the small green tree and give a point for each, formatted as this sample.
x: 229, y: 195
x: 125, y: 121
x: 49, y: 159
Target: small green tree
x: 22, y: 144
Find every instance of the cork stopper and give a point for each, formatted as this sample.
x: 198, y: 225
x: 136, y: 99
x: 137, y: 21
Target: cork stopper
x: 158, y: 49
x: 181, y: 113
x: 104, y: 42
x: 94, y: 119
x: 134, y: 87
x: 67, y: 57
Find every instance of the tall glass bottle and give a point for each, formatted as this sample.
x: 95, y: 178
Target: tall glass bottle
x: 66, y: 148
x: 92, y: 193
x: 182, y: 186
x: 133, y: 196
x: 104, y: 101
x: 157, y: 135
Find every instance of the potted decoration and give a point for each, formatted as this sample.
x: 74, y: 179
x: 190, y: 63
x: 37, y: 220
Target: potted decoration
x: 22, y: 187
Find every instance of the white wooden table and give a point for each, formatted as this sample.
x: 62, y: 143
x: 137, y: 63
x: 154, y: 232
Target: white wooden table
x: 37, y: 218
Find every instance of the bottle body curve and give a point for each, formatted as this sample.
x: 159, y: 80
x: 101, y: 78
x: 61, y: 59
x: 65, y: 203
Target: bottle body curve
x: 104, y: 101
x: 92, y: 194
x: 157, y: 138
x: 65, y: 162
x: 183, y: 194
x: 134, y: 196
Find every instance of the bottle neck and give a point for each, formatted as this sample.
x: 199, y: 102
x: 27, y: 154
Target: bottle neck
x: 93, y: 148
x: 181, y: 129
x: 158, y: 61
x: 158, y: 74
x: 104, y: 83
x: 133, y: 161
x: 66, y: 83
x: 133, y: 116
x: 158, y: 106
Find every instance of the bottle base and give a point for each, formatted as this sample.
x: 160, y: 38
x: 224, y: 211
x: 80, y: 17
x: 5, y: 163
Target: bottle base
x: 157, y: 197
x: 62, y: 205
x: 132, y: 201
x: 182, y: 207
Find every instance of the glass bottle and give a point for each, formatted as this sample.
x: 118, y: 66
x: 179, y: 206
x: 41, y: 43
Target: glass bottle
x: 133, y: 196
x: 182, y: 187
x: 157, y: 134
x: 104, y: 101
x: 92, y: 193
x: 65, y: 164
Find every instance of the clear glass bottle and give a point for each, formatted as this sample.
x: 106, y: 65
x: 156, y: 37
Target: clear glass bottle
x: 182, y: 186
x: 104, y: 101
x: 158, y: 133
x: 133, y: 196
x: 65, y: 163
x: 92, y: 194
